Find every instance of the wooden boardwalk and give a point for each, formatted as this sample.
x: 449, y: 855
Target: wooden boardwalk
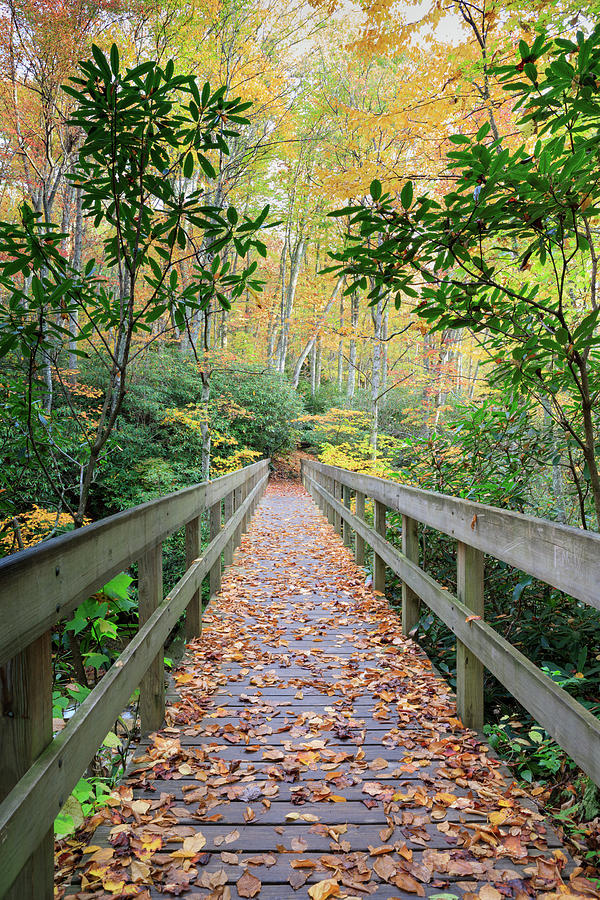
x: 311, y: 751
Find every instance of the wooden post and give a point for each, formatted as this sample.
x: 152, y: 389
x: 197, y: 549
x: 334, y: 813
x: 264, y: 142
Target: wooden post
x: 337, y: 519
x: 359, y: 549
x: 26, y: 730
x: 237, y: 502
x: 320, y: 500
x: 215, y: 527
x: 227, y: 514
x: 245, y: 518
x: 469, y: 670
x: 347, y: 530
x: 193, y: 615
x: 330, y: 485
x: 410, y: 548
x: 378, y: 563
x: 150, y: 594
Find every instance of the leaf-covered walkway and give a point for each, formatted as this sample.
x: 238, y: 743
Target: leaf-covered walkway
x: 311, y: 751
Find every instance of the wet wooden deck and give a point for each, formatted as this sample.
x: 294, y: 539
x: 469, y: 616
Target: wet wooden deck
x: 311, y: 751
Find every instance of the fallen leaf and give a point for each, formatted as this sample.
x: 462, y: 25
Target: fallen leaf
x: 322, y: 890
x: 248, y: 885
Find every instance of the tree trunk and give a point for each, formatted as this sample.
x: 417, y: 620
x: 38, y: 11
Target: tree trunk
x: 377, y: 317
x: 351, y: 384
x: 340, y: 352
x: 308, y: 347
x: 296, y: 256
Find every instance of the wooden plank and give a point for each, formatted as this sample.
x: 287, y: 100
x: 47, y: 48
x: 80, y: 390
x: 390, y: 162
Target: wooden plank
x: 215, y: 527
x: 150, y: 595
x: 566, y: 558
x: 193, y: 614
x: 227, y: 514
x: 378, y: 562
x: 237, y: 501
x: 359, y: 551
x: 567, y: 721
x: 25, y: 732
x: 346, y: 493
x: 31, y: 807
x: 410, y: 547
x: 58, y: 575
x: 469, y: 670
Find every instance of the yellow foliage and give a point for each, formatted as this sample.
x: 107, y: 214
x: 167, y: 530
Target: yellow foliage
x: 32, y: 526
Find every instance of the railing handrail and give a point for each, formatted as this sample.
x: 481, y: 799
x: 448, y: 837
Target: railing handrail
x: 41, y: 585
x: 38, y: 772
x: 565, y: 557
x: 573, y: 726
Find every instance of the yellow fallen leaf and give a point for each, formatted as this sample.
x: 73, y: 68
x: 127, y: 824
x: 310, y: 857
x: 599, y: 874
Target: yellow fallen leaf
x: 322, y: 890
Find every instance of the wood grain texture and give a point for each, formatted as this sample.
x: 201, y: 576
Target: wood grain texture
x: 215, y: 527
x: 411, y: 607
x: 567, y: 721
x: 193, y: 615
x: 469, y: 669
x: 30, y: 808
x: 227, y: 514
x: 359, y: 550
x: 25, y: 731
x: 564, y: 557
x: 56, y: 576
x: 150, y: 595
x: 378, y: 562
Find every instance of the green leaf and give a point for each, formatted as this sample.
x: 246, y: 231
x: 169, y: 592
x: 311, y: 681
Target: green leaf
x: 112, y: 741
x: 375, y: 189
x: 483, y: 131
x: 406, y: 195
x: 188, y: 166
x: 114, y: 59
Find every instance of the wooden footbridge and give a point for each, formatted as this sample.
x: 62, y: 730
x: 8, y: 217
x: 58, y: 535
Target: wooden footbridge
x: 307, y: 748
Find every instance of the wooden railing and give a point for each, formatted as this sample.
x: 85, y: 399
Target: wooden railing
x: 566, y: 558
x: 41, y: 586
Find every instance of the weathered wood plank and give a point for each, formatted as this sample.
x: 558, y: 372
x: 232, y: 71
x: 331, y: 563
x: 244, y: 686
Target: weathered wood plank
x: 469, y: 669
x: 150, y: 595
x: 215, y: 527
x: 58, y: 575
x: 378, y: 562
x: 25, y: 731
x: 567, y: 721
x: 410, y: 547
x: 359, y: 551
x: 31, y: 807
x: 193, y: 614
x: 565, y: 557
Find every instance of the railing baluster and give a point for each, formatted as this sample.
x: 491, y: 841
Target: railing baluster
x: 410, y: 548
x: 215, y: 527
x: 378, y: 563
x: 469, y: 670
x: 330, y: 512
x: 237, y: 502
x: 227, y: 514
x: 26, y: 730
x: 359, y: 549
x: 347, y: 494
x: 150, y: 594
x: 337, y: 519
x: 193, y: 615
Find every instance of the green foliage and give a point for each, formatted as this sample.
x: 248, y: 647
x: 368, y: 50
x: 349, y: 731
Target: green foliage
x: 261, y: 409
x: 463, y: 258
